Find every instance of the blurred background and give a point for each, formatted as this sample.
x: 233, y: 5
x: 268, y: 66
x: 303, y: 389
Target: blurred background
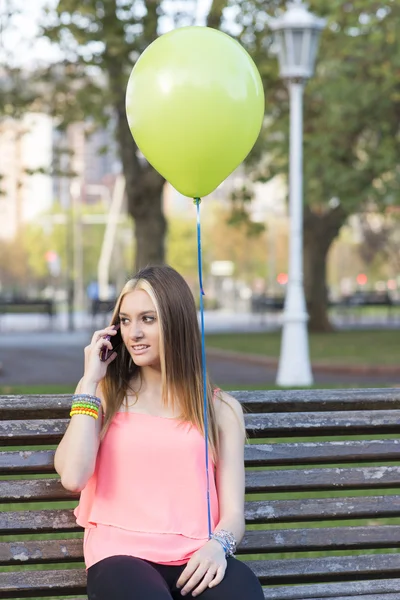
x: 81, y: 209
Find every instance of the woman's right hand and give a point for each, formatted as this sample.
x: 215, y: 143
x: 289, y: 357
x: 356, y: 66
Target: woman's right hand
x: 95, y: 369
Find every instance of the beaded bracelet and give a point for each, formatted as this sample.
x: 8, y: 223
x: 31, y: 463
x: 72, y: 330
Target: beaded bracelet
x: 85, y: 411
x: 89, y: 413
x: 81, y: 410
x: 89, y: 404
x: 85, y: 404
x: 227, y: 541
x: 87, y: 398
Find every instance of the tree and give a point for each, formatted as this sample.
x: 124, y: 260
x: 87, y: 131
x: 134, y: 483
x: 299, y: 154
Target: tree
x: 102, y: 39
x: 381, y: 240
x: 351, y: 125
x: 238, y: 243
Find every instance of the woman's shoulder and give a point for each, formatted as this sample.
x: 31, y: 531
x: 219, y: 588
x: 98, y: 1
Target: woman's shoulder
x: 226, y: 406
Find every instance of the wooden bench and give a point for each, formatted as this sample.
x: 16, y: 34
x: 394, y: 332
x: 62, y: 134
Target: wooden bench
x: 342, y: 444
x: 26, y: 306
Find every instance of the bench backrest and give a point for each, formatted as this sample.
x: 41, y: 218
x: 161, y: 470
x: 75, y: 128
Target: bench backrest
x: 322, y: 476
x: 23, y: 305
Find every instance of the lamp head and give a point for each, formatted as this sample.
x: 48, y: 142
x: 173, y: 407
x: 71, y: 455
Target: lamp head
x: 297, y: 34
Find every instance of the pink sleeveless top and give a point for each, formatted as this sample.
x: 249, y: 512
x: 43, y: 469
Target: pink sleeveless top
x: 147, y: 496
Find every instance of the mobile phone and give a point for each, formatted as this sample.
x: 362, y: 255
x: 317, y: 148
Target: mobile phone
x: 116, y: 341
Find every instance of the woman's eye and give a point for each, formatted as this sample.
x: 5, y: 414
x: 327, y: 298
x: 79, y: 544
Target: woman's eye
x: 123, y: 321
x: 148, y: 319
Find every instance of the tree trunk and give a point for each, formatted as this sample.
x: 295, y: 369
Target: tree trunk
x: 144, y: 187
x: 150, y: 231
x: 320, y: 229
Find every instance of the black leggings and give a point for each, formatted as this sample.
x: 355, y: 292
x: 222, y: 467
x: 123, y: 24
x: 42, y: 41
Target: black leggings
x: 130, y: 578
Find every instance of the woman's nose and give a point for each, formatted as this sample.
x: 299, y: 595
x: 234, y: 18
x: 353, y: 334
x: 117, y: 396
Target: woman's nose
x: 136, y: 332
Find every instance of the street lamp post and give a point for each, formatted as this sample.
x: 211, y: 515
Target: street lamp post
x: 297, y: 32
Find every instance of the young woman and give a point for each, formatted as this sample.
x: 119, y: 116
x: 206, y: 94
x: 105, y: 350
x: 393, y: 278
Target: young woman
x: 135, y: 449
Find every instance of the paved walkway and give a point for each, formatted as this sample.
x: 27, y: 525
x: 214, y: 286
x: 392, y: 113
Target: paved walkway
x: 215, y: 322
x: 57, y: 358
x: 220, y: 321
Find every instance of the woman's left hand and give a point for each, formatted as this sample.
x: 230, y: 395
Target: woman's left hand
x: 206, y: 567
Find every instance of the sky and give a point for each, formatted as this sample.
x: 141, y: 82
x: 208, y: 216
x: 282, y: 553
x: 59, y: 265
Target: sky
x: 17, y: 42
x: 18, y: 45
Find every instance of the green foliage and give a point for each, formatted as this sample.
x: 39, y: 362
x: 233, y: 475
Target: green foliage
x: 182, y: 246
x: 23, y: 260
x: 101, y: 41
x: 351, y: 109
x: 239, y: 214
x: 237, y: 244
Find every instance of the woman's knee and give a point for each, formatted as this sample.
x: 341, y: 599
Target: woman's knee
x: 239, y: 583
x: 125, y: 578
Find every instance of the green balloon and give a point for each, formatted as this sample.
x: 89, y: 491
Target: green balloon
x: 195, y: 105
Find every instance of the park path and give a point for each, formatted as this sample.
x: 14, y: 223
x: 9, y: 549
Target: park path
x: 57, y: 358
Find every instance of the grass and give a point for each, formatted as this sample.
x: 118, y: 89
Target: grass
x: 15, y: 390
x: 374, y: 347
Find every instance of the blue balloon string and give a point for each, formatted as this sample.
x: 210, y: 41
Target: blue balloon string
x: 197, y: 202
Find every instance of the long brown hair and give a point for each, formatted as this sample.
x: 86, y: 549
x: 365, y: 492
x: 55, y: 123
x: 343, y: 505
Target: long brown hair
x: 180, y: 352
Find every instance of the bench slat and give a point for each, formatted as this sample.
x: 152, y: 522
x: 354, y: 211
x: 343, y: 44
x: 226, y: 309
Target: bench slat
x: 34, y: 490
x: 254, y: 542
x: 322, y: 479
x: 317, y: 509
x: 48, y: 406
x: 41, y: 551
x: 15, y: 462
x: 41, y: 521
x: 256, y: 512
x: 366, y: 597
x: 308, y: 453
x: 351, y: 589
x: 33, y: 584
x: 318, y: 400
x: 256, y: 482
x: 50, y: 431
x: 322, y: 423
x: 36, y: 406
x: 324, y: 538
x: 295, y: 592
x: 312, y: 570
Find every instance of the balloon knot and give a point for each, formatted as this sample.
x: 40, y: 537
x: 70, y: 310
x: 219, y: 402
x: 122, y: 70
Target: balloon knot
x: 197, y: 201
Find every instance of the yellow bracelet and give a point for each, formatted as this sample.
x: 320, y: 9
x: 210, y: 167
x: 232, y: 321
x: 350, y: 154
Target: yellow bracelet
x: 90, y: 413
x: 82, y: 413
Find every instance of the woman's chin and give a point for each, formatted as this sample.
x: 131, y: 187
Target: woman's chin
x: 141, y: 360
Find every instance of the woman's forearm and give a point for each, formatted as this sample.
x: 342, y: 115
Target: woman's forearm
x: 235, y: 524
x: 75, y: 457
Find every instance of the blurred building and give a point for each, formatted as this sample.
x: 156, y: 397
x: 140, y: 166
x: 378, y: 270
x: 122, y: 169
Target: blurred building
x: 91, y: 157
x: 37, y: 161
x: 25, y: 164
x: 269, y: 198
